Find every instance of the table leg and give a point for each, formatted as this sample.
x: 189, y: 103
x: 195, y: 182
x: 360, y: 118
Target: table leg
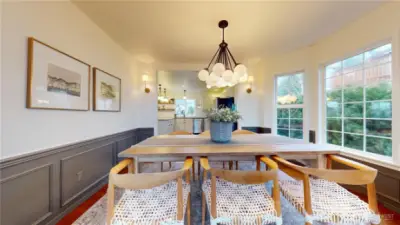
x: 136, y: 165
x: 321, y: 161
x: 131, y: 167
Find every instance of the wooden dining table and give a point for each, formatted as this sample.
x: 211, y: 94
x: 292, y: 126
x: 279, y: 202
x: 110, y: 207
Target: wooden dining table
x: 171, y: 148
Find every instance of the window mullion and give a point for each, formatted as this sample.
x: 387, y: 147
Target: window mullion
x: 342, y: 115
x: 364, y: 107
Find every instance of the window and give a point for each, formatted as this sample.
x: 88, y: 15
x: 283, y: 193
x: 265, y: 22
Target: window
x: 289, y: 100
x: 185, y: 107
x: 359, y: 102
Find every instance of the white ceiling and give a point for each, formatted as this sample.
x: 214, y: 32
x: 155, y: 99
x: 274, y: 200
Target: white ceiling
x: 177, y: 81
x: 187, y: 32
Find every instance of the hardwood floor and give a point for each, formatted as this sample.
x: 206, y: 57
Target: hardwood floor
x: 390, y: 217
x: 81, y: 209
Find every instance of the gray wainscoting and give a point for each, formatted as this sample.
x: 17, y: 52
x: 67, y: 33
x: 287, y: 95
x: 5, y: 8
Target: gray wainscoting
x: 40, y: 188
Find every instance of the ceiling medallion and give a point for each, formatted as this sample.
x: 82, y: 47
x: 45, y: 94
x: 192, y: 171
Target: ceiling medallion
x: 226, y: 72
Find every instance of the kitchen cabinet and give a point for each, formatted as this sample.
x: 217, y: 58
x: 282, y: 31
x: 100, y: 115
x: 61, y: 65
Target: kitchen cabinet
x: 165, y: 126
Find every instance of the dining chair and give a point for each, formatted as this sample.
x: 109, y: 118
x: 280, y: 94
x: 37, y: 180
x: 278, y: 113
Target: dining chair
x: 178, y: 132
x: 237, y: 132
x: 207, y: 133
x: 149, y: 198
x: 241, y: 197
x: 316, y: 193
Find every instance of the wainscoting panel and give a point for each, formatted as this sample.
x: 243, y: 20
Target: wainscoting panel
x: 21, y: 194
x: 123, y: 144
x: 81, y: 171
x: 40, y: 188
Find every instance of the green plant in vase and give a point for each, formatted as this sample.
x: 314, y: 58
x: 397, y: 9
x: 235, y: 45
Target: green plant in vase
x: 222, y: 120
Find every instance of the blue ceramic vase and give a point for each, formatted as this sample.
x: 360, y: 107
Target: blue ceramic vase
x: 221, y: 132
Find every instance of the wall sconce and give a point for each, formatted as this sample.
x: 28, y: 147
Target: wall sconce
x: 145, y: 78
x: 250, y: 81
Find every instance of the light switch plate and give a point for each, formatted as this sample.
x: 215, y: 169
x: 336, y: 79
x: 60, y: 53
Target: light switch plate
x: 79, y: 175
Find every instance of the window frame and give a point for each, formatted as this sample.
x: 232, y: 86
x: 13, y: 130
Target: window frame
x: 292, y: 106
x: 387, y: 161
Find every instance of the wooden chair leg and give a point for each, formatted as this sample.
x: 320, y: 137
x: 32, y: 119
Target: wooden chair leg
x: 170, y: 165
x: 307, y: 196
x: 203, y: 209
x: 188, y: 211
x: 258, y: 166
x: 188, y: 176
x: 131, y: 168
x: 230, y: 165
x: 237, y: 165
x: 193, y: 172
x: 198, y: 169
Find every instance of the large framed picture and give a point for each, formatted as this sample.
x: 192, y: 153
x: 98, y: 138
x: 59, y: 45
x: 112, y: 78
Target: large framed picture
x: 56, y: 80
x: 106, y: 91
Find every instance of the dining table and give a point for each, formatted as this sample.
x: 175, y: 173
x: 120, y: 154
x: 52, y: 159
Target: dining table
x: 244, y: 147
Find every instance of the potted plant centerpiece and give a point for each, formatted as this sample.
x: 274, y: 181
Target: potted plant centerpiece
x: 222, y: 120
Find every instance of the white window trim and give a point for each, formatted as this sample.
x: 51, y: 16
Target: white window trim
x: 303, y: 106
x: 385, y: 161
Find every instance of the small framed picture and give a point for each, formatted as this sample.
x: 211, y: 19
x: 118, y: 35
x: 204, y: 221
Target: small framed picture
x: 106, y: 91
x: 56, y: 80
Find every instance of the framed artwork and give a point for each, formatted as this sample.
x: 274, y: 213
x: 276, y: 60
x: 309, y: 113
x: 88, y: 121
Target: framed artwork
x: 106, y: 91
x: 56, y: 80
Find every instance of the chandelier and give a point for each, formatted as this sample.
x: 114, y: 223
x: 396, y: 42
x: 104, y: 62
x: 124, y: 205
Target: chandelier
x: 226, y: 72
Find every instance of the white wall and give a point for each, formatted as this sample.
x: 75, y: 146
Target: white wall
x: 368, y: 31
x: 250, y: 105
x: 64, y: 26
x: 1, y: 28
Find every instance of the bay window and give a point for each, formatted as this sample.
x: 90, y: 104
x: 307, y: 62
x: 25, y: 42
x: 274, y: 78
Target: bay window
x: 289, y: 103
x: 358, y: 97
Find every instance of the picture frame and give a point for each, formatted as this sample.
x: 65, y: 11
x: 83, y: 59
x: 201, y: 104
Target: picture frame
x: 106, y: 91
x: 56, y: 80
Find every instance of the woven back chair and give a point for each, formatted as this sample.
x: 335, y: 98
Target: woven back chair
x: 178, y: 132
x: 243, y: 132
x: 240, y: 197
x: 237, y: 132
x: 317, y: 194
x: 152, y: 198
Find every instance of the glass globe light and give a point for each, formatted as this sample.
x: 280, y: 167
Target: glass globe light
x: 227, y: 75
x: 203, y: 74
x: 218, y: 68
x: 240, y: 69
x: 214, y: 77
x: 221, y: 83
x: 208, y: 86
